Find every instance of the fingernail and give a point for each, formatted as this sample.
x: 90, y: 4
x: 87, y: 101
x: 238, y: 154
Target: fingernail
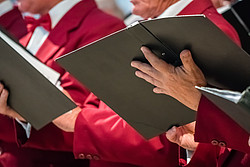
x: 137, y: 73
x: 185, y: 53
x: 132, y: 64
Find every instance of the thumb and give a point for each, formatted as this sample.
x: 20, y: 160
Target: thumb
x: 171, y: 134
x: 187, y: 60
x: 4, y: 97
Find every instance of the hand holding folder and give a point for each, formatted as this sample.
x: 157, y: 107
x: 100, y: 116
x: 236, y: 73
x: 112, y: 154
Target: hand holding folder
x: 104, y: 67
x: 177, y: 82
x: 31, y: 84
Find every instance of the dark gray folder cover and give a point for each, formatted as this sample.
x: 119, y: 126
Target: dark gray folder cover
x: 237, y: 112
x: 104, y: 67
x: 224, y: 64
x: 30, y: 93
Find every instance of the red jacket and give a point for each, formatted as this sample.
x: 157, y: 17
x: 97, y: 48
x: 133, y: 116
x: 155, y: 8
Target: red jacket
x: 210, y: 126
x: 99, y: 132
x: 83, y: 24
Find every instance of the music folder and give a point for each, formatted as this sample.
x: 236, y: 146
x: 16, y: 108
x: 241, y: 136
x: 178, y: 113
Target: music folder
x: 31, y: 94
x: 104, y: 67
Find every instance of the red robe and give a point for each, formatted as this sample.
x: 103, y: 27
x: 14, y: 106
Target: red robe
x: 82, y: 24
x: 102, y: 137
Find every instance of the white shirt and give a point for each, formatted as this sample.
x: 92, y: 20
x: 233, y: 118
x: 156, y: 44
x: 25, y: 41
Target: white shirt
x: 40, y: 34
x: 172, y: 10
x: 56, y: 13
x: 175, y: 9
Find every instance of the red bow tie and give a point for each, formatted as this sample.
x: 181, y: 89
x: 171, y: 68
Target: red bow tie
x: 43, y: 21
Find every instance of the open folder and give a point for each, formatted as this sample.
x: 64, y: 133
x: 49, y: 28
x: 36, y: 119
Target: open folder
x: 235, y: 104
x: 32, y: 92
x: 104, y: 67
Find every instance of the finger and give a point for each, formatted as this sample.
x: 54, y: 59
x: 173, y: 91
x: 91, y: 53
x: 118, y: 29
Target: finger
x: 1, y: 88
x: 4, y: 97
x: 171, y: 134
x: 159, y: 90
x: 190, y: 127
x: 148, y: 78
x: 145, y: 68
x: 187, y: 60
x: 156, y: 62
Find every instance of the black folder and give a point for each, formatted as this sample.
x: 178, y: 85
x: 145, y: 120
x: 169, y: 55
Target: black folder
x: 238, y: 110
x: 32, y: 95
x: 104, y: 67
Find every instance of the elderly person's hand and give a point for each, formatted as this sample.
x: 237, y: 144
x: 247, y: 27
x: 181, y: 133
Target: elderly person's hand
x: 67, y: 121
x: 4, y: 108
x: 1, y: 1
x: 183, y: 136
x: 178, y: 82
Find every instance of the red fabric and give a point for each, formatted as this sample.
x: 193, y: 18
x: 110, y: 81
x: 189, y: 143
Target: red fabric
x: 32, y: 23
x: 209, y: 155
x: 214, y: 124
x: 120, y: 139
x: 99, y: 132
x: 110, y: 138
x: 205, y: 155
x: 13, y: 22
x: 83, y: 24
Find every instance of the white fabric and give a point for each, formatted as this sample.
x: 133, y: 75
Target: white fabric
x: 174, y: 9
x: 5, y: 7
x: 26, y: 127
x: 56, y: 13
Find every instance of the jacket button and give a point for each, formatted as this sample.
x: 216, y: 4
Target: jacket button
x: 95, y: 157
x: 214, y: 142
x: 222, y: 144
x: 89, y: 157
x: 1, y: 150
x: 81, y: 156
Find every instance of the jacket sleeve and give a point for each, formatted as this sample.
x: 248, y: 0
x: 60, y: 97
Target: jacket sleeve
x: 213, y: 125
x: 101, y: 134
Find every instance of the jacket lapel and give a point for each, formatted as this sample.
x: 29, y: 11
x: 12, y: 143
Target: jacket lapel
x: 196, y: 7
x: 59, y: 36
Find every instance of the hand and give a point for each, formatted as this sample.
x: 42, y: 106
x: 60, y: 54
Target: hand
x: 4, y: 108
x: 67, y: 121
x: 1, y: 1
x: 183, y: 136
x: 178, y: 82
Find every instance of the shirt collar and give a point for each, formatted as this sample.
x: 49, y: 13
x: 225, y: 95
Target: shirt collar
x: 58, y: 11
x: 176, y: 8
